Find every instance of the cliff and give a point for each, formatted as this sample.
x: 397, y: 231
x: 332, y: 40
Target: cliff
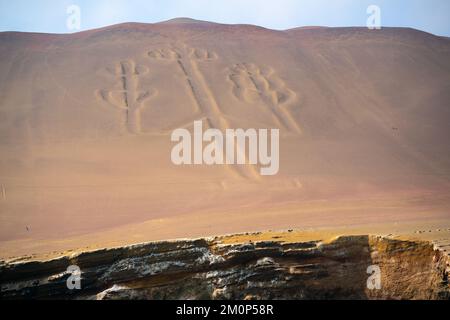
x: 217, y: 268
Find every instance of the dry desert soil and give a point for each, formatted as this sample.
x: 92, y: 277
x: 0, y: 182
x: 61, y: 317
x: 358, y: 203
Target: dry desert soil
x: 86, y: 119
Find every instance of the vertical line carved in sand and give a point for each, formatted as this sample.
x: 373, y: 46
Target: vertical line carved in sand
x: 251, y: 82
x: 187, y: 60
x: 128, y: 98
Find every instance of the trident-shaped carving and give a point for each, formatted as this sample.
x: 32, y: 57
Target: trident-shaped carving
x: 127, y: 96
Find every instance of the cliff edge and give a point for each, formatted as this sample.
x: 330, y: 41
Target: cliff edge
x: 347, y: 267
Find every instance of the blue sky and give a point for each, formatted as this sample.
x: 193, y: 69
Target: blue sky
x: 50, y: 15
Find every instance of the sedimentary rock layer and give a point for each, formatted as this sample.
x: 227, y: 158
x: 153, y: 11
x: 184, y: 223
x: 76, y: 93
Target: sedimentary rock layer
x: 215, y: 269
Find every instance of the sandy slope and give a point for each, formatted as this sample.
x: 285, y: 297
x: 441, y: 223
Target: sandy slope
x: 364, y: 119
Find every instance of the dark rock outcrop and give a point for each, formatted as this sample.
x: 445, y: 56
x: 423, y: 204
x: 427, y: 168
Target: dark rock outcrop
x: 212, y: 269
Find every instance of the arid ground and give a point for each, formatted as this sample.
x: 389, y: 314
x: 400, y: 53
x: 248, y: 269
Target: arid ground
x: 86, y: 118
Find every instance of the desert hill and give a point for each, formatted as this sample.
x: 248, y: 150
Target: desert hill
x: 85, y: 123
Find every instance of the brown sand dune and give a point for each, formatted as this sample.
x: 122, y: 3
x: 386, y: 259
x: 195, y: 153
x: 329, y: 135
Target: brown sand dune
x: 85, y: 123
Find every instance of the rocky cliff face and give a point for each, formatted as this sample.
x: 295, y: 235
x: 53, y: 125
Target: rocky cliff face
x: 215, y: 269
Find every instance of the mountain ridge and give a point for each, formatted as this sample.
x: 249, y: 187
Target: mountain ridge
x: 189, y: 21
x: 86, y: 118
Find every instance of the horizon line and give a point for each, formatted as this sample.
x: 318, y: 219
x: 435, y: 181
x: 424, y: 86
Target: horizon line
x: 192, y: 20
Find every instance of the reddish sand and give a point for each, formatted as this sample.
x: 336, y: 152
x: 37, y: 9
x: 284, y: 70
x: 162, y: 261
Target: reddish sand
x: 363, y: 114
